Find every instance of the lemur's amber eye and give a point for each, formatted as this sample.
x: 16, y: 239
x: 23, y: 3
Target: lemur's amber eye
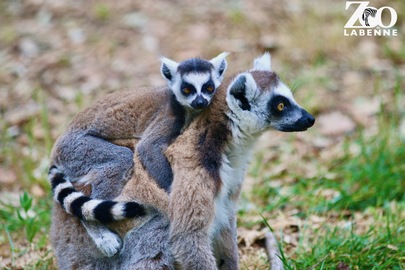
x: 210, y: 88
x: 186, y: 90
x: 280, y: 106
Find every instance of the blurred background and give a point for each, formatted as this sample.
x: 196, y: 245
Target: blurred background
x: 334, y: 195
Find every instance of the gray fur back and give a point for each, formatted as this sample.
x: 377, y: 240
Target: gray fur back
x: 146, y: 247
x: 104, y: 164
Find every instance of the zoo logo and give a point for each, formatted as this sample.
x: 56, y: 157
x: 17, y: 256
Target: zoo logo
x: 370, y: 20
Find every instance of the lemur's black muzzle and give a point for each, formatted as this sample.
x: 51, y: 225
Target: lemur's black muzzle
x: 199, y: 103
x: 307, y: 119
x: 304, y: 122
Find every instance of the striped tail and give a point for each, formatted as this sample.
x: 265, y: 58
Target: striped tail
x: 86, y: 208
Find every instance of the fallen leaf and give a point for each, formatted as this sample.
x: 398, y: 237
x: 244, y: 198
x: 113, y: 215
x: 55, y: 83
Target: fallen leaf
x: 363, y: 109
x: 22, y: 114
x: 28, y: 47
x: 135, y: 20
x: 392, y: 247
x: 37, y: 191
x: 342, y: 266
x: 335, y: 124
x: 249, y: 237
x: 7, y: 176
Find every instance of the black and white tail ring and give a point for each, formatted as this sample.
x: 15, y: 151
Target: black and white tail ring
x: 86, y: 208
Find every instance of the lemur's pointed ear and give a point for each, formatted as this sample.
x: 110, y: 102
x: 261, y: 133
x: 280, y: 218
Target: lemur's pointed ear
x: 242, y: 90
x: 263, y: 62
x: 220, y: 64
x: 168, y: 69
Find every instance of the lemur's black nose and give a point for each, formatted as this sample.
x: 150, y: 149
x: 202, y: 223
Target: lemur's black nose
x: 311, y: 120
x: 199, y: 103
x: 307, y: 119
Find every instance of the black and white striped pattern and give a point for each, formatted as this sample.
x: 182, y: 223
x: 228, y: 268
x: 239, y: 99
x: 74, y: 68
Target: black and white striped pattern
x: 368, y: 12
x: 86, y: 208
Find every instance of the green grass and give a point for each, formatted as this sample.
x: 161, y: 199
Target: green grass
x: 24, y: 224
x: 101, y: 11
x: 364, y: 225
x: 369, y: 178
x: 32, y: 220
x: 375, y: 175
x: 380, y: 246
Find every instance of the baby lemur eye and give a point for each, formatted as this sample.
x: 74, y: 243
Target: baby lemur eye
x: 280, y: 106
x: 186, y: 90
x: 208, y: 87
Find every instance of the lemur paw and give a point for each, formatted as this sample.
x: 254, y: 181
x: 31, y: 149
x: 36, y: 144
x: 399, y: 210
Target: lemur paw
x: 109, y: 243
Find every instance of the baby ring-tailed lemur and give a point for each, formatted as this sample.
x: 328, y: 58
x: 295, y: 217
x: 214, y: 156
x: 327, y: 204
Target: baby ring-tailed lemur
x: 98, y: 147
x: 209, y: 161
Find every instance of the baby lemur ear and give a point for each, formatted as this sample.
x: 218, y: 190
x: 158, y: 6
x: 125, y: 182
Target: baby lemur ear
x: 263, y: 62
x: 220, y: 65
x: 168, y: 69
x: 242, y: 91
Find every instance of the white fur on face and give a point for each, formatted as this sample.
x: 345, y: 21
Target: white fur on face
x: 197, y: 80
x: 294, y: 112
x: 175, y: 86
x: 256, y: 119
x: 284, y: 91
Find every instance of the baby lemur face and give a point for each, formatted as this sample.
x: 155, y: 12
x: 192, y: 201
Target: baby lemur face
x: 194, y: 81
x: 258, y: 99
